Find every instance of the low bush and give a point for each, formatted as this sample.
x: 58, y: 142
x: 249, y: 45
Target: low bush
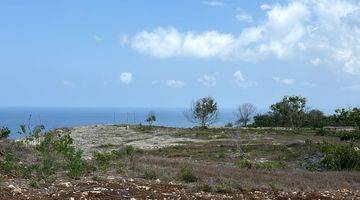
x: 244, y: 163
x: 340, y: 157
x: 205, y: 187
x: 4, y: 132
x: 103, y: 160
x: 150, y: 174
x: 75, y: 165
x: 348, y: 135
x: 187, y: 174
x: 27, y: 171
x: 223, y: 189
x: 9, y: 164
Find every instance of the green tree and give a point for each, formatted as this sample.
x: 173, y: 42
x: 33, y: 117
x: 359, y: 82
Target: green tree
x: 151, y: 118
x: 289, y: 111
x: 4, y: 132
x: 204, y: 112
x: 315, y: 118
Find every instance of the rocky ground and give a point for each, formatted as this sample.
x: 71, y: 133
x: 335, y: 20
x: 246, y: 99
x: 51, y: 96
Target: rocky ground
x: 96, y: 137
x: 112, y: 188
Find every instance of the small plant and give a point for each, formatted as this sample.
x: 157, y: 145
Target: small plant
x: 119, y: 168
x: 205, y: 187
x: 75, y: 166
x: 223, y: 189
x: 308, y: 141
x: 103, y: 160
x: 33, y: 183
x: 244, y: 163
x: 187, y: 174
x: 129, y: 150
x: 4, y: 132
x: 150, y: 174
x: 9, y: 163
x: 26, y: 171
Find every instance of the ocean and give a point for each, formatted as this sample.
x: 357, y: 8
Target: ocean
x: 13, y: 117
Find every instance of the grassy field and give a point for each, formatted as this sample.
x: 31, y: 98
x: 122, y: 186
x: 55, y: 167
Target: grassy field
x: 229, y: 162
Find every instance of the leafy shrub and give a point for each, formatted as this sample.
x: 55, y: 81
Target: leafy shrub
x: 348, y: 135
x: 244, y: 163
x: 187, y: 174
x: 308, y: 141
x: 9, y: 164
x: 33, y: 183
x: 48, y: 166
x: 129, y: 150
x: 150, y: 174
x: 103, y: 160
x: 75, y: 165
x: 26, y: 171
x: 119, y: 168
x: 340, y: 157
x: 223, y: 189
x: 205, y: 187
x: 270, y: 165
x: 4, y: 132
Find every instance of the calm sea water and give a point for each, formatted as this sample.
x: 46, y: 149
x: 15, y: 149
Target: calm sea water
x: 12, y: 117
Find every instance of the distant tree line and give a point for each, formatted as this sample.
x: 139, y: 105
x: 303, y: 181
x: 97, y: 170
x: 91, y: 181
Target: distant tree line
x: 290, y: 111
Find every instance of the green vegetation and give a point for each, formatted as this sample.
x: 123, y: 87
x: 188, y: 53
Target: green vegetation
x: 244, y: 163
x: 203, y: 112
x: 340, y: 157
x: 4, y: 132
x: 187, y: 174
x: 290, y: 112
x: 348, y: 135
x: 151, y: 118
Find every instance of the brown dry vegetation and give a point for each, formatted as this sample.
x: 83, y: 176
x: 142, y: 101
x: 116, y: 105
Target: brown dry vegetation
x: 154, y: 172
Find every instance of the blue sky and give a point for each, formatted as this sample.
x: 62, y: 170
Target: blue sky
x: 168, y: 53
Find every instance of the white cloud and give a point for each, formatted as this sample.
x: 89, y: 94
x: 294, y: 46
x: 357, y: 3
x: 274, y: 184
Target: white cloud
x: 243, y: 16
x: 175, y: 83
x: 126, y: 77
x: 213, y: 3
x: 265, y: 7
x: 168, y: 42
x: 240, y: 80
x: 207, y: 80
x: 97, y: 38
x: 67, y: 83
x: 297, y: 29
x: 285, y: 81
x: 239, y: 76
x: 316, y: 61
